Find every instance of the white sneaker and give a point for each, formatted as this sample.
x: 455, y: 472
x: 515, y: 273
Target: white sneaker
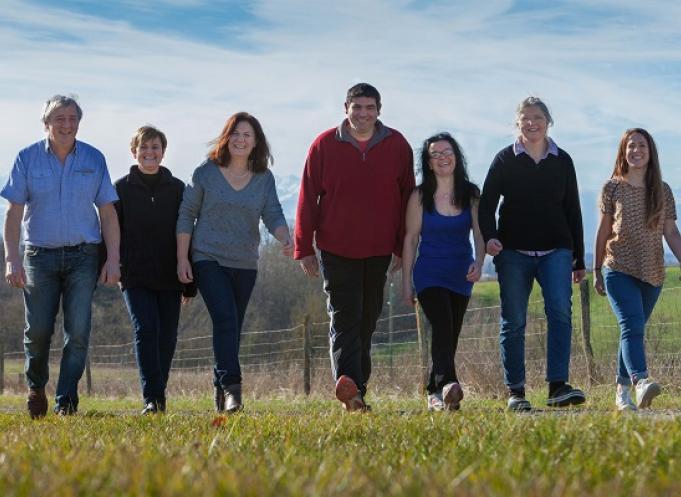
x: 435, y: 402
x: 646, y: 391
x: 623, y: 399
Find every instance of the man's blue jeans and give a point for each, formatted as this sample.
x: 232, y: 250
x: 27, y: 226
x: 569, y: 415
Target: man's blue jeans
x: 632, y: 301
x: 68, y: 274
x: 226, y: 292
x: 155, y: 315
x: 517, y: 272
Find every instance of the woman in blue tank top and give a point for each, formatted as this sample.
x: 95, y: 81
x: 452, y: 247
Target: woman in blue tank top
x: 441, y: 213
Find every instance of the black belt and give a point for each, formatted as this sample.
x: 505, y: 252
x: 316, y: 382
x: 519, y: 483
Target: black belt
x: 70, y: 248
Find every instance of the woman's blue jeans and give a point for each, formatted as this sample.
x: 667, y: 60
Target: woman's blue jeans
x: 517, y: 272
x: 226, y: 292
x: 155, y: 315
x: 632, y: 301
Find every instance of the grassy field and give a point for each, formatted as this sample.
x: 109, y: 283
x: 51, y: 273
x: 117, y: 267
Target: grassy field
x: 309, y: 447
x: 286, y: 448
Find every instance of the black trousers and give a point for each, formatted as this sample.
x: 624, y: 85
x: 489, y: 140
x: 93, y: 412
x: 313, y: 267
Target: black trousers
x: 354, y: 289
x: 445, y: 311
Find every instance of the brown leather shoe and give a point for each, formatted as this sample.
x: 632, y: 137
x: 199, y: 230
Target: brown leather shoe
x: 36, y: 402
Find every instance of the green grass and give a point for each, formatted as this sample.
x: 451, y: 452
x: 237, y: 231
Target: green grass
x: 279, y: 448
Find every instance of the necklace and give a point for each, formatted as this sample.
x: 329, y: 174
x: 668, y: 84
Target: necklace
x: 238, y: 176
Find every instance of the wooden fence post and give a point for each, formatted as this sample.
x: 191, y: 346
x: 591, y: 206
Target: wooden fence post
x: 391, y: 326
x: 307, y: 355
x: 586, y: 330
x: 423, y: 346
x: 88, y: 375
x: 2, y: 367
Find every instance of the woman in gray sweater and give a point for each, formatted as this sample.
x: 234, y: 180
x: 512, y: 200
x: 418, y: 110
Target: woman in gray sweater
x: 219, y: 217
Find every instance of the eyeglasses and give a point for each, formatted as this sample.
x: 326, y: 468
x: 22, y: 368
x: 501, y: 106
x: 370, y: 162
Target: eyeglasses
x: 448, y: 152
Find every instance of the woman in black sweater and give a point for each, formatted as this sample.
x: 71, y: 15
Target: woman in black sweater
x: 538, y: 236
x: 149, y: 200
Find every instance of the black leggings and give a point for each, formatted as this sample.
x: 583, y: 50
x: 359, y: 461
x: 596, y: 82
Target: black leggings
x: 445, y: 311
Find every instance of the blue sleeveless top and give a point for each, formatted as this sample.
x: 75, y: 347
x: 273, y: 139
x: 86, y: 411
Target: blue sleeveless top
x: 445, y: 252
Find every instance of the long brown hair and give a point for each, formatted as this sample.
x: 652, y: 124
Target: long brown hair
x: 653, y: 179
x: 260, y: 156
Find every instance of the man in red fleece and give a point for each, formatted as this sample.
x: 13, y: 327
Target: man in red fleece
x: 353, y: 196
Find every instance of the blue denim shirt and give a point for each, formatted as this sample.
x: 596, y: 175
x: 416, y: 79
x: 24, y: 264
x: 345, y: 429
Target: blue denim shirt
x: 60, y: 199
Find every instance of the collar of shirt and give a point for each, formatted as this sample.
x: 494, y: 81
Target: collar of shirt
x: 519, y: 148
x: 48, y: 150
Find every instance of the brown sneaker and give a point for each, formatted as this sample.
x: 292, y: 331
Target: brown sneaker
x: 36, y: 402
x: 348, y: 394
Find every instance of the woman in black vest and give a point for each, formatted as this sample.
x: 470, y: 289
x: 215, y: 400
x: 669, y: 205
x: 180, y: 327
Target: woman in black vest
x: 149, y: 199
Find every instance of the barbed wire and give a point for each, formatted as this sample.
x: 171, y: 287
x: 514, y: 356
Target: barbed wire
x: 403, y: 345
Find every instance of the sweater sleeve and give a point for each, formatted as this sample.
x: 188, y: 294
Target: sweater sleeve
x: 573, y: 213
x: 407, y: 184
x: 192, y: 198
x: 491, y: 192
x: 307, y: 213
x: 272, y: 214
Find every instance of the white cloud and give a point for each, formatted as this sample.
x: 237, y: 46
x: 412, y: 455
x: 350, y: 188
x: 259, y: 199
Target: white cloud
x: 460, y: 67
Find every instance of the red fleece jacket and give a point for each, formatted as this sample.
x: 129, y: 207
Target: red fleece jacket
x: 352, y: 202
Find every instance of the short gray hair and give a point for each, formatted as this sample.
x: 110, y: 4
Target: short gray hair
x: 57, y: 102
x: 534, y: 102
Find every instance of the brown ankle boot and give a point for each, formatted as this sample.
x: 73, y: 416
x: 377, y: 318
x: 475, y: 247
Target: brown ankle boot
x: 233, y: 398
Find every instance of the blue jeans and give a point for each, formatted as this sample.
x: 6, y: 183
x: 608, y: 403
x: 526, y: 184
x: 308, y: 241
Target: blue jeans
x: 354, y: 288
x: 68, y: 274
x: 632, y: 301
x: 517, y: 273
x: 226, y: 292
x: 155, y: 315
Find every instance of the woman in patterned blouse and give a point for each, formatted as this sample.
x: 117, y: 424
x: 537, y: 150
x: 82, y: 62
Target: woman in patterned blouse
x: 637, y: 210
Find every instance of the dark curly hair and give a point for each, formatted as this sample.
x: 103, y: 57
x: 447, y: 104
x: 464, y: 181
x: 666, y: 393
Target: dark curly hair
x: 464, y: 189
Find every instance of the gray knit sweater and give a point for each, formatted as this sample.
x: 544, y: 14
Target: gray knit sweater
x: 224, y: 223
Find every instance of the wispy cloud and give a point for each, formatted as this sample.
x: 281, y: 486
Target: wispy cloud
x: 440, y: 65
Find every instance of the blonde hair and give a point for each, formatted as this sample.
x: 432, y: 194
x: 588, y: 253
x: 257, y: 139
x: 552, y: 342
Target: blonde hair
x: 534, y: 102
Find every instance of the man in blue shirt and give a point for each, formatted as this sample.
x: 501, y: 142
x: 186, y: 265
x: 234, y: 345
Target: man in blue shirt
x: 54, y: 187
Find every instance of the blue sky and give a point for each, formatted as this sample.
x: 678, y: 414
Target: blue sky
x: 186, y: 65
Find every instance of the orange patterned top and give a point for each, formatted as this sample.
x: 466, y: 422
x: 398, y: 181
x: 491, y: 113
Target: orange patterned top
x: 632, y: 247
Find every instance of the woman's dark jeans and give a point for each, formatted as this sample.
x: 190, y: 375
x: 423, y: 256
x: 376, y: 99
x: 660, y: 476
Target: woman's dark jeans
x: 155, y: 315
x: 226, y: 292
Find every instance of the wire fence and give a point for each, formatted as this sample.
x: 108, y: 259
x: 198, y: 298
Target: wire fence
x: 296, y: 359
